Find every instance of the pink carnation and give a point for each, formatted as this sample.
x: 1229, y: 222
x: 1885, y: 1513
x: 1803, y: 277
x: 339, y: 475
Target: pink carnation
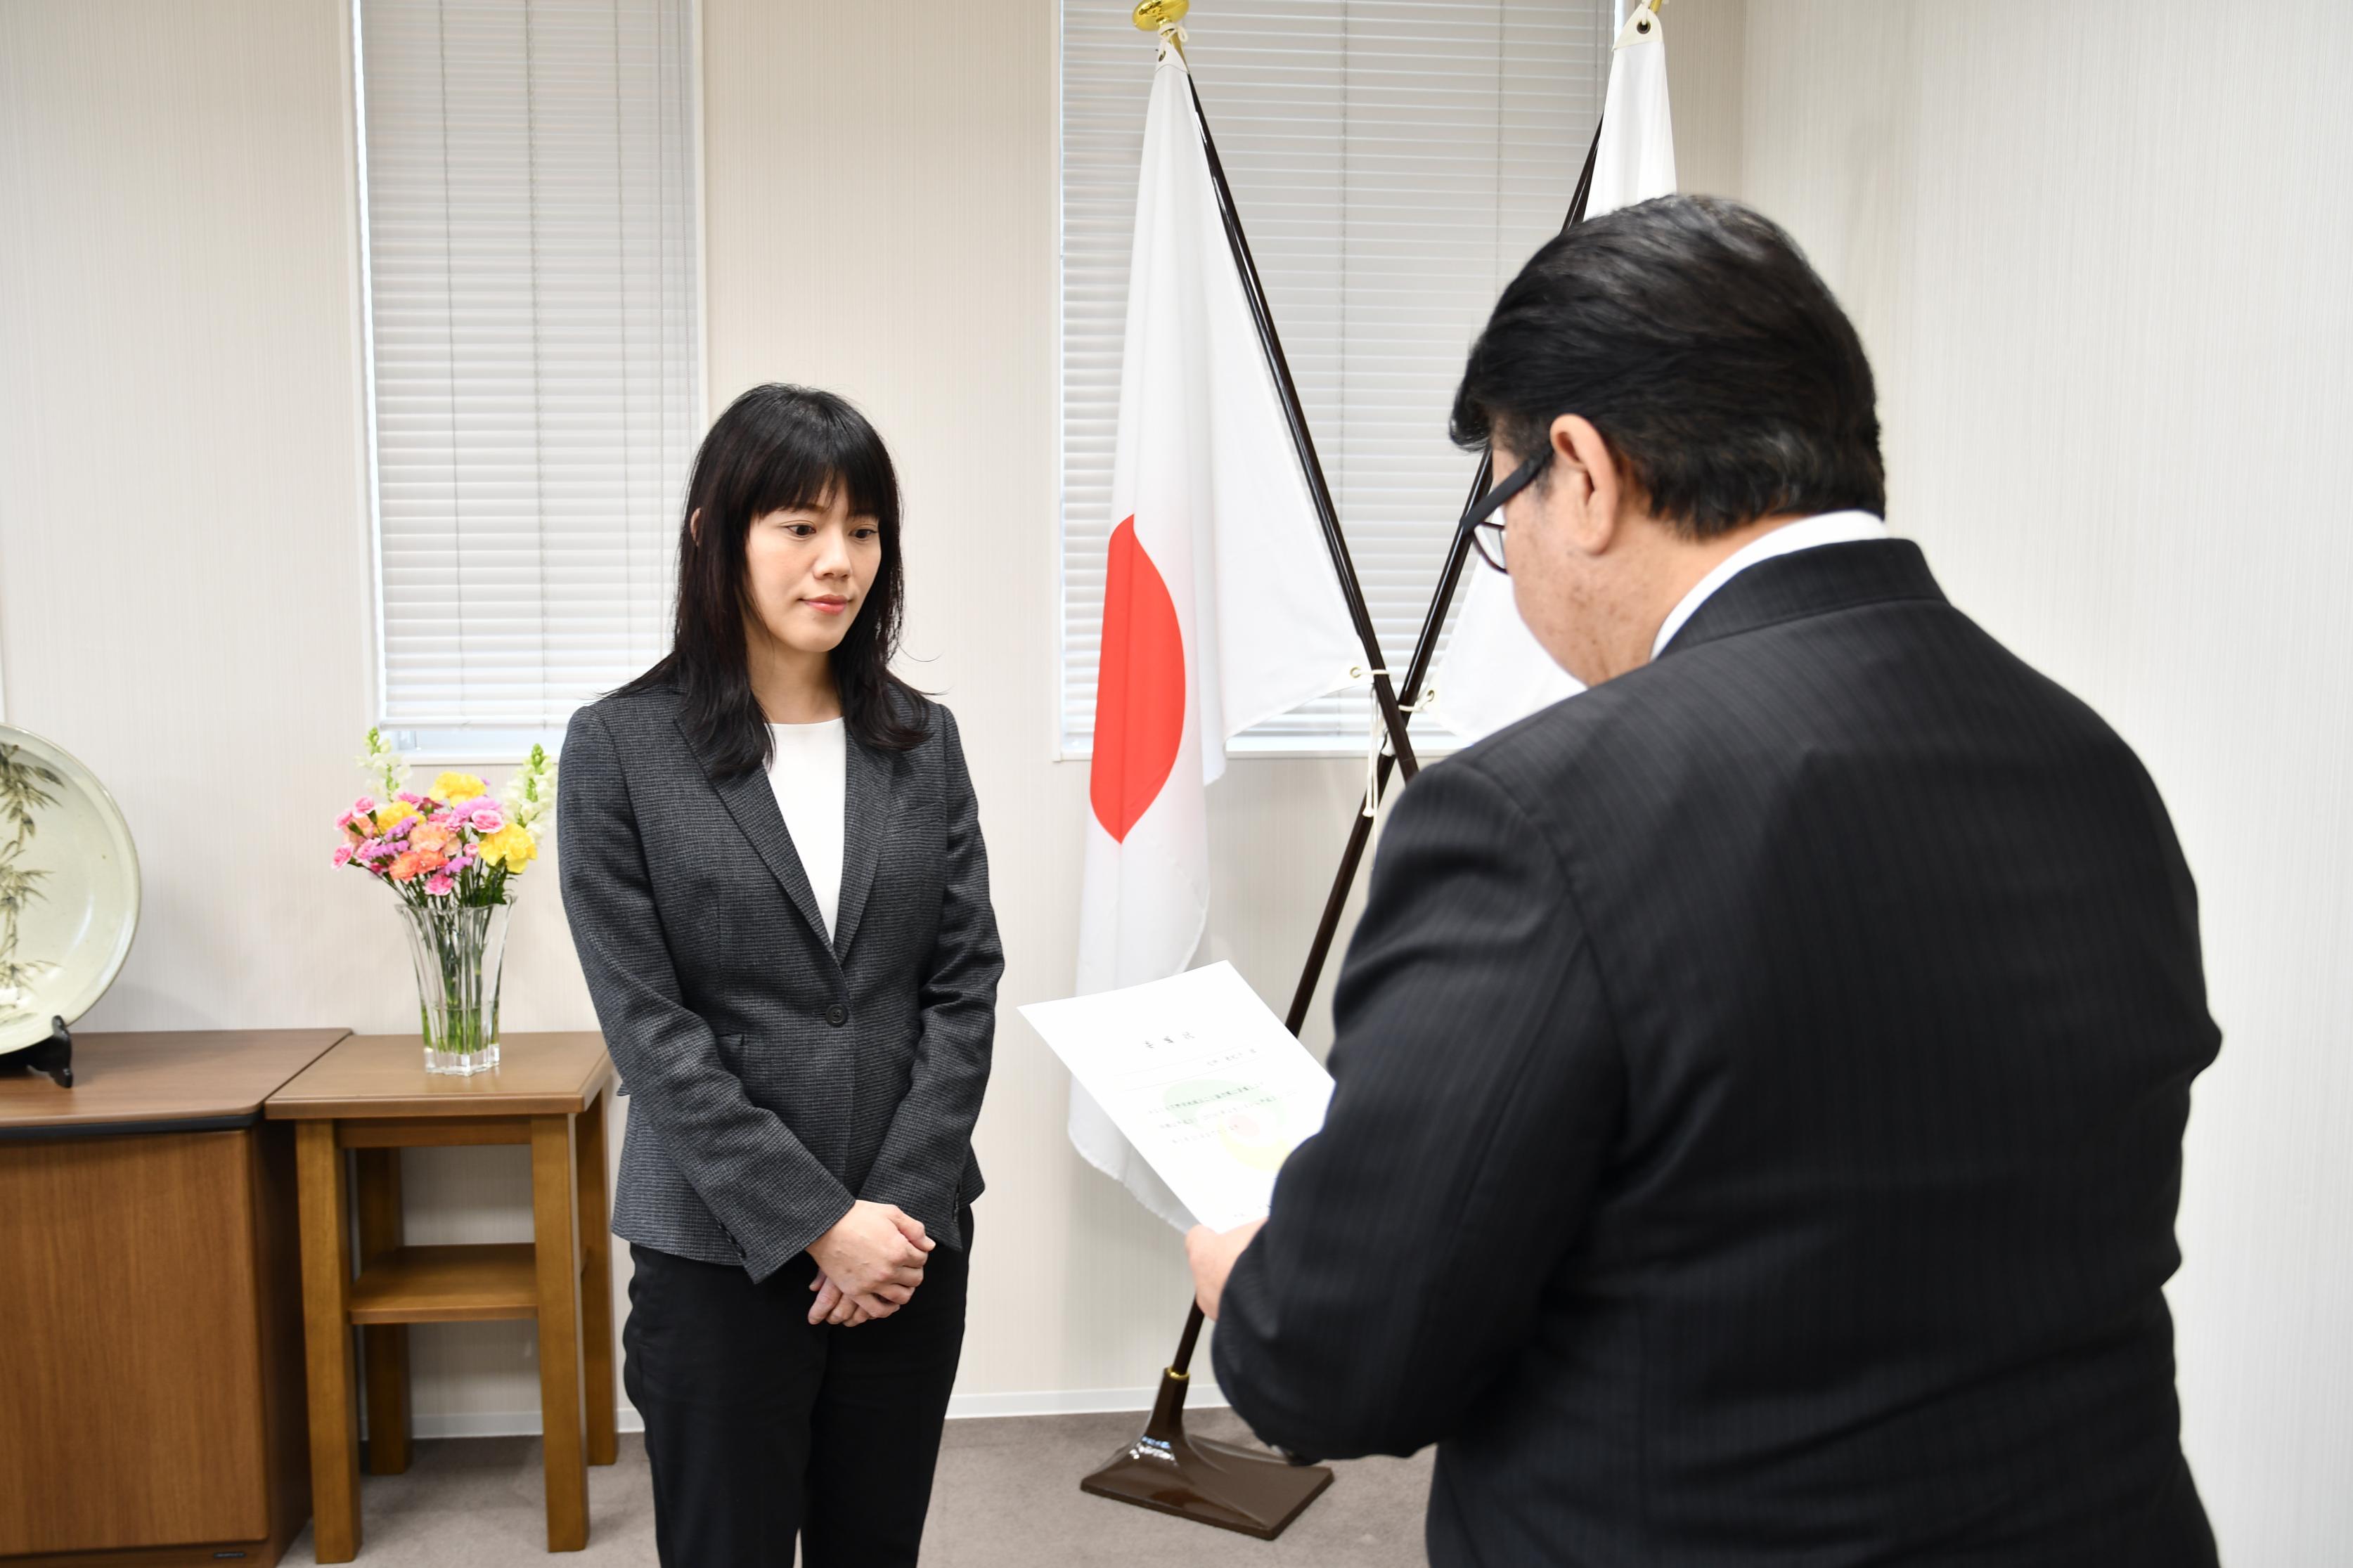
x: 489, y: 819
x: 439, y: 884
x: 411, y: 797
x: 343, y: 854
x: 362, y: 806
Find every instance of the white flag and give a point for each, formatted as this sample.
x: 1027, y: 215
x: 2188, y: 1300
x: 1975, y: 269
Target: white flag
x: 1221, y: 607
x: 1495, y: 672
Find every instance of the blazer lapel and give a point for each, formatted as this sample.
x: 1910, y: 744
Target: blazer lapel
x: 872, y: 810
x: 870, y: 799
x: 753, y: 803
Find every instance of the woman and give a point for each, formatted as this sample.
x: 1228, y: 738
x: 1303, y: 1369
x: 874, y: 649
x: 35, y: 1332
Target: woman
x: 774, y: 878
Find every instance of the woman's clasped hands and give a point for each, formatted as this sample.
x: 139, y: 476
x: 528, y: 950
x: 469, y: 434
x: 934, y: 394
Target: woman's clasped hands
x: 868, y: 1265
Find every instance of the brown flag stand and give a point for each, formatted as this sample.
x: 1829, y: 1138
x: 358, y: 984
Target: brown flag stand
x: 1197, y: 1479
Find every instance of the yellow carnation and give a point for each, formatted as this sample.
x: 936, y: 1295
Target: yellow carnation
x: 511, y: 847
x: 391, y: 812
x: 451, y: 788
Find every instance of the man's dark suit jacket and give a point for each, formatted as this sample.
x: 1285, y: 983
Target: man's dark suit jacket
x: 1761, y: 1082
x: 776, y: 1075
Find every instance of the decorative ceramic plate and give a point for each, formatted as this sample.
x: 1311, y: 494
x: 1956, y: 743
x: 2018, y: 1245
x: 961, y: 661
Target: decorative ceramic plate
x: 68, y: 887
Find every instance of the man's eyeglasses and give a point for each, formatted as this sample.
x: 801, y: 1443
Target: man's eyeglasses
x: 1484, y: 522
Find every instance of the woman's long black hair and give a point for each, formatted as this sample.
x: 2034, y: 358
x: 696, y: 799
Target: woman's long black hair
x: 778, y: 446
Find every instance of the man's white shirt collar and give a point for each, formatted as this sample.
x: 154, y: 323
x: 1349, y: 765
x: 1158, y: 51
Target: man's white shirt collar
x: 1806, y: 533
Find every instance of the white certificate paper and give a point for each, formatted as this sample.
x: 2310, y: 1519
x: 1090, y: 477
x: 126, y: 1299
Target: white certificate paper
x: 1200, y: 1077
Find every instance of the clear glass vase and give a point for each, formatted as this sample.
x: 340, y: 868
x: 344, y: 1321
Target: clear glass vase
x: 457, y: 949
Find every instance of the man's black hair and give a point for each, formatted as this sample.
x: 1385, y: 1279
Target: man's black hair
x: 1693, y: 334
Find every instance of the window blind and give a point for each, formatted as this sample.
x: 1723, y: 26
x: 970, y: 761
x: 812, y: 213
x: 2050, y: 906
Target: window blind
x: 528, y: 175
x: 1394, y: 163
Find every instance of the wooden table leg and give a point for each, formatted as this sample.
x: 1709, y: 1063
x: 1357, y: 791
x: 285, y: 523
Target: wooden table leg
x: 327, y: 1343
x: 384, y: 1347
x: 556, y: 1233
x: 596, y: 1286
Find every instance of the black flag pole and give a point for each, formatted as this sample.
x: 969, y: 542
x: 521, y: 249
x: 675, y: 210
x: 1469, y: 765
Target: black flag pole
x: 1417, y: 670
x: 1383, y: 689
x: 1218, y: 1483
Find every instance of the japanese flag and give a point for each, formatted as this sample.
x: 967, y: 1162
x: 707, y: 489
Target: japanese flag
x: 1495, y: 672
x: 1221, y: 607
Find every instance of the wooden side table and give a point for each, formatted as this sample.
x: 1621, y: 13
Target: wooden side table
x: 371, y: 1095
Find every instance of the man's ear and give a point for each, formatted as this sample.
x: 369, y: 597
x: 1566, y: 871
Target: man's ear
x: 694, y: 525
x: 1582, y: 460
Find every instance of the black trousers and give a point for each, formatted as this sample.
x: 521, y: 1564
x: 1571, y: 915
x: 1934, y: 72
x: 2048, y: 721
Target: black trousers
x: 760, y: 1428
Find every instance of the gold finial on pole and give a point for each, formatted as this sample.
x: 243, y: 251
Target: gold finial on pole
x: 1164, y: 17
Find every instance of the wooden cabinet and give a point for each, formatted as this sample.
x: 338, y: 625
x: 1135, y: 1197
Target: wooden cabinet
x: 151, y: 1330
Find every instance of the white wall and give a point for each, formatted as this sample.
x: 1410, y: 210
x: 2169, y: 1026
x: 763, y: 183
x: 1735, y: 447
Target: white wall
x: 1707, y: 77
x: 185, y: 565
x: 2098, y: 252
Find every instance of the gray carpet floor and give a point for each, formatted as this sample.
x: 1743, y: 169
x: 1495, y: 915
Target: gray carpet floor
x: 1008, y: 1494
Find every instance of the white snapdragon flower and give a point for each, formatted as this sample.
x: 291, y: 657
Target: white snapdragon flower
x: 529, y: 796
x: 387, y: 770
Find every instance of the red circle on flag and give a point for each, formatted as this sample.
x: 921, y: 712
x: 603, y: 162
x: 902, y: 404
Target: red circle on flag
x: 1139, y: 688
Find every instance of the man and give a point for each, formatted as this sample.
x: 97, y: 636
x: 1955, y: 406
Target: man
x: 1761, y: 1077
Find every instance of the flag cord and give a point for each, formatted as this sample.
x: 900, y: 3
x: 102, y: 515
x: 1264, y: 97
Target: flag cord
x: 1378, y: 753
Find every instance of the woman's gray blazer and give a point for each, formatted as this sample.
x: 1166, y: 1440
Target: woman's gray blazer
x: 773, y: 1076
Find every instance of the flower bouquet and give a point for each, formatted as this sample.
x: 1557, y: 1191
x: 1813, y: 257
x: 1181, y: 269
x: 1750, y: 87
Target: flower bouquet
x: 450, y: 854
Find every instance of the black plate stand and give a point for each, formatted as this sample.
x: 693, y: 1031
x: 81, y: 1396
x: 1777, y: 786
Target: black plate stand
x: 53, y: 1055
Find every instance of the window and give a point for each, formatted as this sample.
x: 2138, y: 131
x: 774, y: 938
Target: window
x: 1394, y: 162
x: 527, y: 179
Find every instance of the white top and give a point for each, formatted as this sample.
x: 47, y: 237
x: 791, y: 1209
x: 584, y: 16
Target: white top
x: 1806, y: 533
x: 809, y: 774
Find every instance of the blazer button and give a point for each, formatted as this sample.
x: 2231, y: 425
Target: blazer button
x: 837, y: 1015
